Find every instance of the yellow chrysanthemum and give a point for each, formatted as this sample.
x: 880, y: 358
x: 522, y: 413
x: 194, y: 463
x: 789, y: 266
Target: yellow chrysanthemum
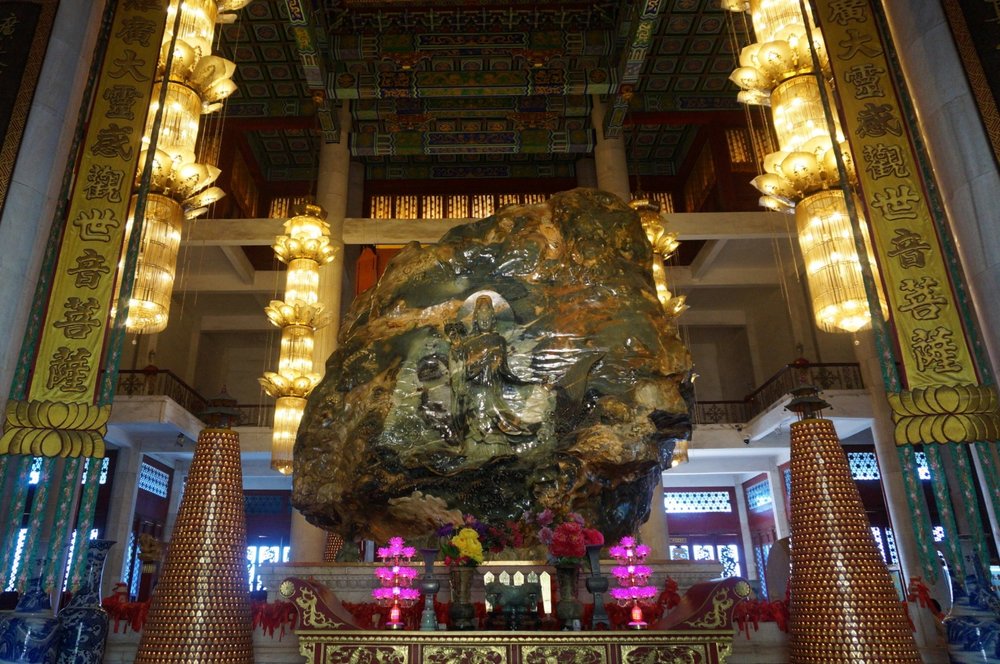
x: 468, y: 544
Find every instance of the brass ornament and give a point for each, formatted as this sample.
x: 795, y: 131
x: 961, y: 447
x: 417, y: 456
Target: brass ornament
x: 200, y: 611
x: 844, y: 607
x: 54, y: 429
x: 945, y: 413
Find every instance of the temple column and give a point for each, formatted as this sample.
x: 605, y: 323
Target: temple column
x: 586, y: 172
x: 37, y: 179
x: 893, y: 486
x: 609, y: 158
x: 968, y: 175
x: 332, y: 192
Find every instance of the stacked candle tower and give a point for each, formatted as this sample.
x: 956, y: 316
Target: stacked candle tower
x: 396, y: 576
x: 632, y: 578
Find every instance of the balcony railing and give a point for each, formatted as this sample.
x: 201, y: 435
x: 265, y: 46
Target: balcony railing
x: 163, y: 382
x: 159, y: 382
x: 826, y: 376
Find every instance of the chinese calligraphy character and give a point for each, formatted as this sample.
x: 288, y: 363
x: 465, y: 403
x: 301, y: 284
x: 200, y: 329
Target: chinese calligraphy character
x: 143, y: 5
x: 877, y: 121
x: 922, y: 298
x: 121, y: 99
x: 910, y: 248
x: 128, y: 65
x: 136, y: 30
x: 113, y: 141
x: 8, y: 26
x: 935, y: 350
x: 96, y: 225
x: 89, y: 268
x: 865, y: 79
x: 78, y: 321
x: 104, y: 182
x: 883, y: 160
x: 843, y: 12
x: 896, y: 203
x: 857, y: 43
x: 69, y: 369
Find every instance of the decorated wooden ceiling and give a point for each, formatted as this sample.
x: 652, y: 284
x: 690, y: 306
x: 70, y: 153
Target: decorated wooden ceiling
x: 477, y: 88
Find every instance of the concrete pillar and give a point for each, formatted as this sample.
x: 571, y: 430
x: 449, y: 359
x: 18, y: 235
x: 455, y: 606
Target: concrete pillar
x: 120, y: 514
x: 609, y: 158
x: 586, y: 172
x: 308, y: 542
x: 176, y: 494
x: 749, y: 561
x: 775, y: 479
x: 892, y: 482
x: 961, y: 155
x: 654, y: 532
x: 333, y: 193
x: 37, y: 179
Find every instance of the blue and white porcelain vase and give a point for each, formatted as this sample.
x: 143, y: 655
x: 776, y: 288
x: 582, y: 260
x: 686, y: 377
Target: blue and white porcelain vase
x: 29, y: 634
x: 83, y: 624
x: 973, y: 625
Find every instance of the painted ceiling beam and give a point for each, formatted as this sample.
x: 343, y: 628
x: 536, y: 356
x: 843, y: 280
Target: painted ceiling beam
x: 642, y: 33
x: 688, y: 226
x: 300, y: 19
x: 436, y: 84
x: 683, y: 118
x: 523, y: 141
x: 407, y: 49
x: 391, y: 108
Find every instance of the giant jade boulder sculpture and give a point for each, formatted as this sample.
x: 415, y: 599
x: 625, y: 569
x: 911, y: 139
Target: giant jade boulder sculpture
x: 522, y: 362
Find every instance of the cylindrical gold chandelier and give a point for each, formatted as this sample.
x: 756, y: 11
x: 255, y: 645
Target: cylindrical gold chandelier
x: 304, y: 248
x: 803, y: 176
x: 180, y: 187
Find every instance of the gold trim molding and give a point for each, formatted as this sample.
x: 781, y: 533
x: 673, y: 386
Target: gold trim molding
x: 945, y: 414
x: 54, y: 429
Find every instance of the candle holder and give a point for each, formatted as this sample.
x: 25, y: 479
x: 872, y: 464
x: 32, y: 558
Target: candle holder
x: 632, y: 578
x: 396, y: 577
x: 429, y: 587
x: 597, y: 585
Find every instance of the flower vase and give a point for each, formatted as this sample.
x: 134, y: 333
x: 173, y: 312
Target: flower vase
x: 29, y: 634
x: 462, y: 613
x: 83, y: 624
x: 569, y: 609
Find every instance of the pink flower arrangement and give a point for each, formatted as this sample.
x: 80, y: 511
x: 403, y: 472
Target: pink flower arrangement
x: 567, y: 539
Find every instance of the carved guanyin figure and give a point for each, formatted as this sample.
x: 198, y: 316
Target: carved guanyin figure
x: 522, y: 362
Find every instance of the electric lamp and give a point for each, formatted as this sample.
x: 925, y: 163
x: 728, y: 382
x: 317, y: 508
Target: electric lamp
x: 396, y: 578
x: 833, y: 269
x: 632, y: 578
x: 304, y: 247
x: 196, y: 83
x: 664, y: 244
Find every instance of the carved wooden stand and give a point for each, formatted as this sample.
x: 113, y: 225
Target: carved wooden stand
x: 698, y: 631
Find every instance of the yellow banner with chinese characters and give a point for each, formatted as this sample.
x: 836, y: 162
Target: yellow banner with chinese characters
x: 60, y: 416
x: 931, y: 336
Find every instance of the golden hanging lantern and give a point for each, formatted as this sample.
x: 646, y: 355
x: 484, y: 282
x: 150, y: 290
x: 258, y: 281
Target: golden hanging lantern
x: 304, y: 247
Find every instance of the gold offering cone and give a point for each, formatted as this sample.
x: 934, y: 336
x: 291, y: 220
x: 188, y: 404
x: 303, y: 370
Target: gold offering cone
x: 200, y: 611
x: 844, y: 607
